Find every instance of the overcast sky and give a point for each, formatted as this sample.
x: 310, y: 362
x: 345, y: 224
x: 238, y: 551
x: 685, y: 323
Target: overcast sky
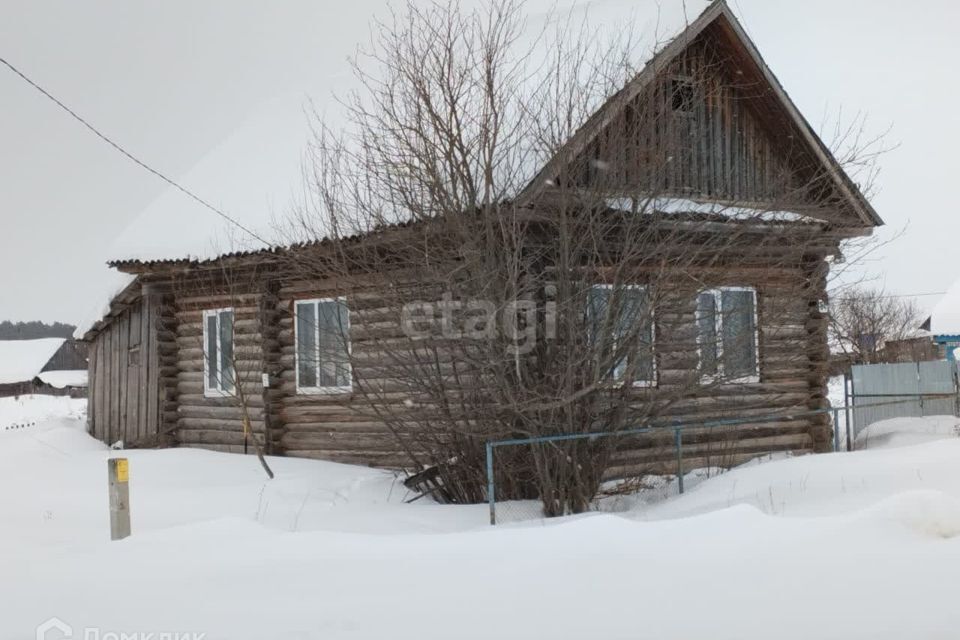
x: 212, y: 93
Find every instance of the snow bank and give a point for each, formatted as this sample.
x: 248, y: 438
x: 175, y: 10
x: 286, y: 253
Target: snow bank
x: 822, y: 485
x: 63, y: 379
x: 33, y: 410
x: 333, y: 551
x: 901, y: 432
x: 22, y: 360
x: 926, y: 512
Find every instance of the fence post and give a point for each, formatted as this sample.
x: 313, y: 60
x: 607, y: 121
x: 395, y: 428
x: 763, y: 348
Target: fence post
x: 836, y: 429
x: 920, y: 389
x: 956, y: 389
x: 847, y: 409
x: 491, y: 495
x: 118, y: 486
x: 678, y: 442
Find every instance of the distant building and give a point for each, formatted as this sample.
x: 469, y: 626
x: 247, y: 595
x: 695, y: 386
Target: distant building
x: 54, y: 366
x: 917, y: 348
x: 944, y: 322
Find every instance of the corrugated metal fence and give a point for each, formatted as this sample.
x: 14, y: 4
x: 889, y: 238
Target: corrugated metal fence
x: 902, y: 390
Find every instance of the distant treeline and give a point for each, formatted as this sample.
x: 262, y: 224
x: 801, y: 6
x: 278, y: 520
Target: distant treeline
x: 34, y: 329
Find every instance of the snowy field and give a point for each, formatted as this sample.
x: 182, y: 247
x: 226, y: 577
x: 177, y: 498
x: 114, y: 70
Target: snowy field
x: 848, y: 545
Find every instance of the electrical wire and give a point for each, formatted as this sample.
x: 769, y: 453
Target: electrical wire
x: 130, y: 156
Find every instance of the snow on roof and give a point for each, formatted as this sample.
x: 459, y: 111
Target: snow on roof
x: 945, y: 317
x: 111, y: 283
x: 255, y: 174
x: 22, y: 360
x: 681, y: 205
x: 66, y: 378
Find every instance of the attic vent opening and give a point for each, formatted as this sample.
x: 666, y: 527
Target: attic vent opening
x: 681, y: 95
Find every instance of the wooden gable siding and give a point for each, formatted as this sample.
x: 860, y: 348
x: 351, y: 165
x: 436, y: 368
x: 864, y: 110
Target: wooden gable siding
x: 695, y: 132
x: 124, y: 376
x: 71, y: 356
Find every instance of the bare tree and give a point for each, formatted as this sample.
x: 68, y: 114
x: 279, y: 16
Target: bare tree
x: 864, y: 320
x: 509, y: 275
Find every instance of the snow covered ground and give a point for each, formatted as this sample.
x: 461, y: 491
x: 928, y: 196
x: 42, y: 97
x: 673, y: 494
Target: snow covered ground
x: 846, y: 545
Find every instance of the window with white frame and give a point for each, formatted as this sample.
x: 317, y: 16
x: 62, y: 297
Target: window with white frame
x: 218, y: 369
x: 323, y: 345
x: 727, y: 334
x: 620, y: 322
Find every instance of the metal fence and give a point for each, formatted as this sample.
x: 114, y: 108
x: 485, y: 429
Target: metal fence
x: 921, y: 389
x: 848, y: 413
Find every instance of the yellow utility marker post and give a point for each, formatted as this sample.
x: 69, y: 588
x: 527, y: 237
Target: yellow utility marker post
x: 118, y: 476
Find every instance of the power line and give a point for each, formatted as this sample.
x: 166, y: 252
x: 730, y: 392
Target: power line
x: 129, y: 155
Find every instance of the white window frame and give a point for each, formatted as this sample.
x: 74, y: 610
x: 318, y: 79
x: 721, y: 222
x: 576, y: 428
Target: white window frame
x: 717, y: 292
x: 316, y: 336
x: 653, y: 340
x: 219, y: 391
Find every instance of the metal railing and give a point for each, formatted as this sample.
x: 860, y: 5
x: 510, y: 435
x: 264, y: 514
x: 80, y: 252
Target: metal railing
x: 678, y: 428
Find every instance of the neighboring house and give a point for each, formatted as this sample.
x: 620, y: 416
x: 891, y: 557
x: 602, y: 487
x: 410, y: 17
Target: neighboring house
x: 921, y: 347
x: 161, y: 357
x: 53, y: 366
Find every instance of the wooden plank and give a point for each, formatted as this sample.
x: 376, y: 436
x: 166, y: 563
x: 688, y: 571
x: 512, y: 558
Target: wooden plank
x: 123, y: 376
x: 153, y: 301
x: 144, y: 371
x: 113, y: 431
x: 91, y: 389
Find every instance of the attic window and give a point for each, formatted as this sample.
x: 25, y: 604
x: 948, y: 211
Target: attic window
x: 681, y: 95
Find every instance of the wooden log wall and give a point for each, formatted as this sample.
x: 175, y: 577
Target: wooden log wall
x: 337, y: 426
x: 792, y: 354
x: 124, y: 372
x: 216, y: 423
x: 161, y: 390
x: 270, y: 322
x: 793, y: 358
x: 167, y: 359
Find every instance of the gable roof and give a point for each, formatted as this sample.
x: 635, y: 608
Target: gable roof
x: 670, y: 18
x: 717, y: 14
x: 945, y: 317
x: 22, y: 360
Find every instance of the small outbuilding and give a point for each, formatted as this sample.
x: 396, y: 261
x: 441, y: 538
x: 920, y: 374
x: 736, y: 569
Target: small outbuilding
x: 53, y: 366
